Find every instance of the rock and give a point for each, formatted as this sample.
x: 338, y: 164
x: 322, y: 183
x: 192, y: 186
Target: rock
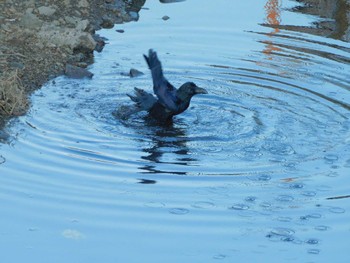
x: 134, y: 15
x: 135, y: 73
x: 67, y: 37
x: 100, y: 42
x: 82, y: 25
x: 107, y: 22
x: 86, y: 42
x: 165, y: 18
x: 3, y: 137
x: 46, y: 10
x: 120, y: 30
x: 77, y: 72
x: 30, y: 20
x: 83, y: 3
x: 17, y: 65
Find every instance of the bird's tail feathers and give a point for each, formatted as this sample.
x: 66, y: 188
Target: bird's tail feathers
x: 143, y: 99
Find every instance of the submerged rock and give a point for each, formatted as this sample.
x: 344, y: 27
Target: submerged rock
x: 77, y: 72
x: 135, y: 73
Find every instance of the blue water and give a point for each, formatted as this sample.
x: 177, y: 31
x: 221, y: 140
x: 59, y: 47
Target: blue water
x: 255, y: 171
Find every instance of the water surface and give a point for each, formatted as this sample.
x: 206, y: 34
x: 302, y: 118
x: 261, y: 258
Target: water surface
x: 258, y: 168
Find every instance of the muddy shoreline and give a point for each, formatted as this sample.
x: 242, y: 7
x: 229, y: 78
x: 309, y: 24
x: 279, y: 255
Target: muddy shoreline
x: 38, y: 39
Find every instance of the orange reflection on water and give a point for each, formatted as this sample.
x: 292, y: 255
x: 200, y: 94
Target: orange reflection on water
x: 273, y: 17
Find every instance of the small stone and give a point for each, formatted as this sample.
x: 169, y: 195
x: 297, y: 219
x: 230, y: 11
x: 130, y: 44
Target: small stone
x: 120, y: 30
x: 17, y: 65
x: 86, y: 42
x: 165, y: 18
x: 82, y: 25
x: 46, y: 10
x: 83, y: 4
x: 31, y: 21
x: 134, y: 15
x: 107, y: 22
x: 77, y: 72
x: 135, y: 73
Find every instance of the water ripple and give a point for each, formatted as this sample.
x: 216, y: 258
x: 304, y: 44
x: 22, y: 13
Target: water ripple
x: 259, y: 154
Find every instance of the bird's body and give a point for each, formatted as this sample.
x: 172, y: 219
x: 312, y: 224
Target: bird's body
x: 169, y: 101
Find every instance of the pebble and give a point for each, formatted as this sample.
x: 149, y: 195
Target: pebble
x: 135, y: 73
x: 46, y: 10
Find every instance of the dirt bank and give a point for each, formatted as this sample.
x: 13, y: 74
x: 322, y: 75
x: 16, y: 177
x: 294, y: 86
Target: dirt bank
x: 39, y: 37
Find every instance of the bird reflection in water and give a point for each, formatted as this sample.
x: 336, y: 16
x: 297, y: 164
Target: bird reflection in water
x: 167, y: 139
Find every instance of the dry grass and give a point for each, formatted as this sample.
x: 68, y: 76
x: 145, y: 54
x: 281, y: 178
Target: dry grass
x: 13, y: 99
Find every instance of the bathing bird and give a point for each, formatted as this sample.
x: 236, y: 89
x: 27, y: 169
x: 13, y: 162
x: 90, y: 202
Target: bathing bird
x: 169, y: 101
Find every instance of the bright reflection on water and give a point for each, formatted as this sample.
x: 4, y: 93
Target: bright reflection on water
x: 246, y: 173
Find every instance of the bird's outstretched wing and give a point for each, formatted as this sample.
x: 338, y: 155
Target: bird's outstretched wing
x: 165, y: 92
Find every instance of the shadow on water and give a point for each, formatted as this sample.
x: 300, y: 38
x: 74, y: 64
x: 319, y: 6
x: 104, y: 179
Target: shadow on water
x: 165, y: 138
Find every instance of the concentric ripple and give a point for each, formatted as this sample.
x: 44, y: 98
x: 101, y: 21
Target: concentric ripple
x: 259, y: 166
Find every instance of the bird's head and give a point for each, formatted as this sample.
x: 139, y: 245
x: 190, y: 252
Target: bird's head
x: 189, y: 89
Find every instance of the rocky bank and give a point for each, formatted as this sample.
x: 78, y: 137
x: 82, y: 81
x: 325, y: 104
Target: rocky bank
x: 38, y: 38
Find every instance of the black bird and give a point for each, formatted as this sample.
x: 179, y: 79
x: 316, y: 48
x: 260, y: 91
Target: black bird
x: 170, y: 101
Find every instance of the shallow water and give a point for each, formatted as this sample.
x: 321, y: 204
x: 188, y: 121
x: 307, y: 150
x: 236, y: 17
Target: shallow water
x: 257, y: 169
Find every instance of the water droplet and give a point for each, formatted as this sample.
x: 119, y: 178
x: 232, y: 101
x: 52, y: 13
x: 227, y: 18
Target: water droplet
x: 203, y: 205
x: 250, y: 198
x: 279, y: 148
x: 277, y: 159
x: 287, y: 239
x: 303, y: 218
x: 297, y: 241
x: 251, y: 149
x: 178, y: 211
x: 239, y: 207
x: 281, y: 231
x: 296, y: 186
x: 281, y: 234
x: 265, y: 204
x: 331, y: 158
x: 309, y: 193
x: 284, y: 219
x: 313, y: 251
x: 154, y: 204
x: 285, y: 198
x: 337, y: 210
x: 219, y: 256
x: 333, y: 174
x: 314, y: 216
x: 290, y: 165
x: 264, y: 177
x: 322, y: 228
x: 312, y: 241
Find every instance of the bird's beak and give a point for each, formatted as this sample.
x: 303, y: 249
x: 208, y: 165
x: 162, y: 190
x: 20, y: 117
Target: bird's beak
x: 199, y: 90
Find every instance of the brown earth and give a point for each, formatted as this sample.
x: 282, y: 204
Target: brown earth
x: 38, y: 38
